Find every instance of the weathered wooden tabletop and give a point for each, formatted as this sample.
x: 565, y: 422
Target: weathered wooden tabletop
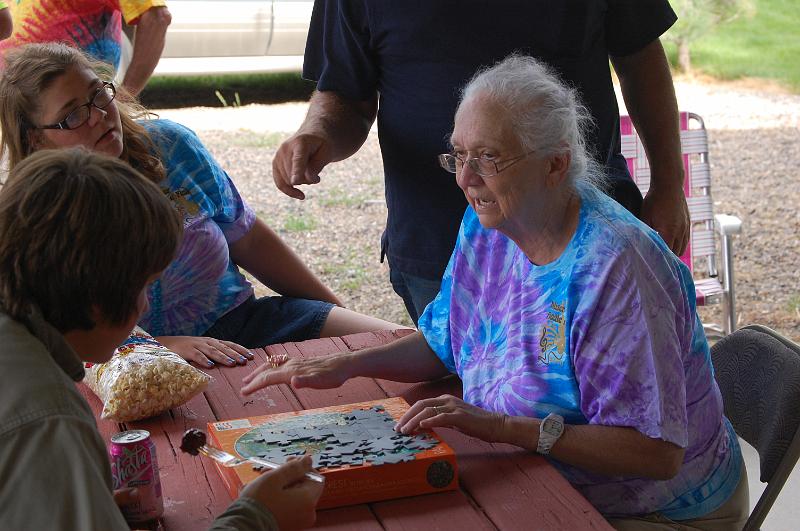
x: 501, y: 486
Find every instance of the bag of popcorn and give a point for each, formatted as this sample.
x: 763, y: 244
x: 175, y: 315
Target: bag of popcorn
x: 142, y: 379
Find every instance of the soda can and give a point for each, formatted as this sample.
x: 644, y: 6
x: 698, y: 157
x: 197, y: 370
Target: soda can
x: 134, y: 465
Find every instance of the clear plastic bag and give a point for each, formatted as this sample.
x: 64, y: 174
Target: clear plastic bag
x: 142, y: 379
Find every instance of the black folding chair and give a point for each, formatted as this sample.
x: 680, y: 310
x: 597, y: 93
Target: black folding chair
x: 758, y: 372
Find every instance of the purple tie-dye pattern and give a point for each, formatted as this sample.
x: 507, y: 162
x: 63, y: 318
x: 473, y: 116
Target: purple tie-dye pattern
x: 202, y: 283
x: 634, y: 352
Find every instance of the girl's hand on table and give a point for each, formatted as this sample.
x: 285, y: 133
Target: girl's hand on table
x: 447, y: 411
x: 206, y: 351
x: 288, y: 494
x: 318, y: 373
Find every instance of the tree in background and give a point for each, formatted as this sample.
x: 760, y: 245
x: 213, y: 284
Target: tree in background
x: 696, y: 18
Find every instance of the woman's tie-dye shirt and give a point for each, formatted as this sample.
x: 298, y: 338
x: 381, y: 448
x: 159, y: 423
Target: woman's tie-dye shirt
x: 202, y: 283
x: 606, y: 334
x: 95, y: 26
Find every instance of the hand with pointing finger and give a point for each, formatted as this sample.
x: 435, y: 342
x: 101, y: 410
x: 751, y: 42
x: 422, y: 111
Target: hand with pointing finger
x: 299, y: 161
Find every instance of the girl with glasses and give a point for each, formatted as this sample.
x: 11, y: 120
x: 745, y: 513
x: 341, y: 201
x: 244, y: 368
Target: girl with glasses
x: 202, y: 307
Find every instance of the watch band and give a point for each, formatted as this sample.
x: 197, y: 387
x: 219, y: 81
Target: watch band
x: 551, y: 428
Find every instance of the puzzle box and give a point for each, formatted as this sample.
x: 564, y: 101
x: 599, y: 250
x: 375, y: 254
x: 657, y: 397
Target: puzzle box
x: 354, y: 446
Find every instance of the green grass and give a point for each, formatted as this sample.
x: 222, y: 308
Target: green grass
x: 794, y: 304
x: 254, y: 139
x: 337, y: 197
x: 352, y: 275
x: 186, y: 91
x: 299, y: 223
x: 766, y: 45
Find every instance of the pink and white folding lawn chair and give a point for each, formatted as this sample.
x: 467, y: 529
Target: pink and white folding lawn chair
x: 712, y: 286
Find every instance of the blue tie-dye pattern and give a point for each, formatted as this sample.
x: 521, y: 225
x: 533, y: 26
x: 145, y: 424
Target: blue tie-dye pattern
x: 94, y: 26
x: 202, y: 283
x: 106, y: 50
x: 634, y: 351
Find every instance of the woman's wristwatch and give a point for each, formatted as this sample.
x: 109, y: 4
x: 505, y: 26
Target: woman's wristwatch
x: 551, y: 428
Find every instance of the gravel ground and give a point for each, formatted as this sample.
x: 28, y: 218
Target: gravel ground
x: 754, y: 151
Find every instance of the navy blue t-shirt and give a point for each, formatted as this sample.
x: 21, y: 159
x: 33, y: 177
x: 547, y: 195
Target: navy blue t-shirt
x: 418, y: 54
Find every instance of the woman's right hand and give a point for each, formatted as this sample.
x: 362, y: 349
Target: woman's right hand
x: 319, y: 373
x: 206, y: 351
x: 288, y: 494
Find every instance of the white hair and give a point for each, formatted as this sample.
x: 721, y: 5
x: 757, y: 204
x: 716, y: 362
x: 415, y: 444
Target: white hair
x: 545, y: 113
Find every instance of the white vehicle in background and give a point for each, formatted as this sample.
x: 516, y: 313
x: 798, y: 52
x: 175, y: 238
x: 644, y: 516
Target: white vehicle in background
x: 235, y: 36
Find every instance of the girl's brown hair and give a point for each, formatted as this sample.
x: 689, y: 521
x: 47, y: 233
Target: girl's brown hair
x: 30, y: 70
x: 80, y: 235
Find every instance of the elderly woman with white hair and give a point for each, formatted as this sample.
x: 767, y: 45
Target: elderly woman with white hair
x: 571, y: 324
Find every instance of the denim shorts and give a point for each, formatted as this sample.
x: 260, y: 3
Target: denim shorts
x: 260, y: 322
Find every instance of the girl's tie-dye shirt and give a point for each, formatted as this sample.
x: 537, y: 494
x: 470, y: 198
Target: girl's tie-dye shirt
x: 202, y: 283
x: 607, y: 334
x: 95, y: 26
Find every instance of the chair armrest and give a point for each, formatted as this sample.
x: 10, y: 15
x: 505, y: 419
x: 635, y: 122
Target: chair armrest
x: 727, y: 225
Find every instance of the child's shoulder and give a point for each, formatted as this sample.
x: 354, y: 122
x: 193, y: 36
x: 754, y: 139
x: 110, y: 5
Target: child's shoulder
x: 34, y: 387
x: 162, y: 129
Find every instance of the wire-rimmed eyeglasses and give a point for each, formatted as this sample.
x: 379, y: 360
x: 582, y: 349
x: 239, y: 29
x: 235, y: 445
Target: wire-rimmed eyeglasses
x: 483, y: 167
x: 78, y: 116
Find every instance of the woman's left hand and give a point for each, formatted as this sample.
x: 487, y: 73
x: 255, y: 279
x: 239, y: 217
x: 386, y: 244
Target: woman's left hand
x: 447, y: 411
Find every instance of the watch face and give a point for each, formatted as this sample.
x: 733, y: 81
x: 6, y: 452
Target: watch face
x: 553, y: 427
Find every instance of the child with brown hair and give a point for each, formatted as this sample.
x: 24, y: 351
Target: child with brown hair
x: 82, y: 236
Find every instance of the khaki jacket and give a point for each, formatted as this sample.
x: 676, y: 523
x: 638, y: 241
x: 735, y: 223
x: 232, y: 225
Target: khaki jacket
x: 54, y: 469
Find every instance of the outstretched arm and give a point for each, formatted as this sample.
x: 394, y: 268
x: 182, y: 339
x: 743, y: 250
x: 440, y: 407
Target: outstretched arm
x: 334, y: 129
x: 649, y: 95
x: 409, y: 359
x: 148, y: 43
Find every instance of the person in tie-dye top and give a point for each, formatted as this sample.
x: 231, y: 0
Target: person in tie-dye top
x: 560, y: 309
x: 202, y: 307
x: 95, y: 26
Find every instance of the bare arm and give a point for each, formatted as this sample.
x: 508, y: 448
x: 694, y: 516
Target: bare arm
x: 6, y: 23
x: 608, y: 450
x: 262, y: 253
x: 334, y: 129
x: 650, y: 98
x: 148, y: 43
x: 409, y: 359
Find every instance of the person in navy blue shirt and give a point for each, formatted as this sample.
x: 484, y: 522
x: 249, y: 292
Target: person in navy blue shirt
x: 405, y: 63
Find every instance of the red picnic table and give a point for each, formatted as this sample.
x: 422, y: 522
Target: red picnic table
x: 500, y: 486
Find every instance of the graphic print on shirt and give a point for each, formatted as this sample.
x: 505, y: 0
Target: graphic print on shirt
x: 180, y: 199
x: 552, y: 341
